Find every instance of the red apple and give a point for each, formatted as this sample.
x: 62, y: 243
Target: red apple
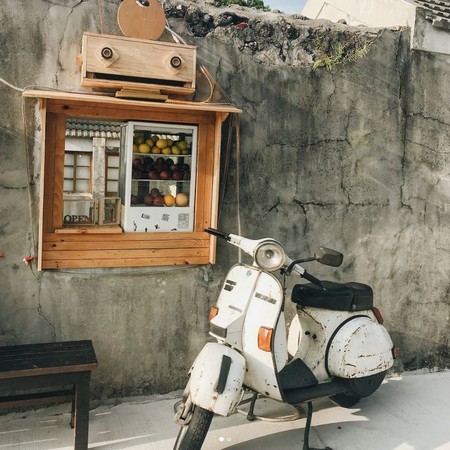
x: 177, y: 175
x: 158, y: 201
x: 148, y: 163
x: 164, y: 175
x: 153, y: 175
x: 137, y: 163
x: 183, y: 167
x: 155, y: 192
x: 148, y: 200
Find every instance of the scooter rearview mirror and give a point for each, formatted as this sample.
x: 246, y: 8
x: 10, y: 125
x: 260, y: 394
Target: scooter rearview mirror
x: 329, y: 257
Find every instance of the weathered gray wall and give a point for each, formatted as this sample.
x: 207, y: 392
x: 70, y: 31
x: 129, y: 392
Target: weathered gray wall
x: 355, y: 158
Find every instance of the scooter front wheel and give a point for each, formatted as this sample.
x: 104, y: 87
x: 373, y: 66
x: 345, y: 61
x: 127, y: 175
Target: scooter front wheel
x: 192, y: 435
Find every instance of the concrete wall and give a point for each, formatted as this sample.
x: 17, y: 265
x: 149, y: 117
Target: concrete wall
x: 355, y: 158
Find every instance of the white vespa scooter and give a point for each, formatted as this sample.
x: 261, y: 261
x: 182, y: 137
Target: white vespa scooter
x: 337, y: 346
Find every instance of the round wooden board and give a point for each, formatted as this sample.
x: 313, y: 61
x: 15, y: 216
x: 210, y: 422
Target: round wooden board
x: 142, y: 22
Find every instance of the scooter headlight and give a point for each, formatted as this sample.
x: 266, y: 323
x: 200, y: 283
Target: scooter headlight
x: 270, y: 256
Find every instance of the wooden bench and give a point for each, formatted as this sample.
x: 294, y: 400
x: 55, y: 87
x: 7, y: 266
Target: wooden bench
x: 34, y: 369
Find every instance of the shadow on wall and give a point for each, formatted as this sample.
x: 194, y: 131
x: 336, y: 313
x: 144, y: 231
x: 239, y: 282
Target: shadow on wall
x: 433, y: 355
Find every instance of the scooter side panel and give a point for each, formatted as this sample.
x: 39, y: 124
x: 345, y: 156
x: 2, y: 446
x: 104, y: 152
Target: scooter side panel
x: 205, y: 376
x: 233, y: 301
x: 361, y: 347
x: 264, y: 311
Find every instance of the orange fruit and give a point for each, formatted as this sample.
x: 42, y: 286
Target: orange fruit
x: 181, y: 199
x: 161, y: 143
x: 169, y: 200
x: 144, y: 148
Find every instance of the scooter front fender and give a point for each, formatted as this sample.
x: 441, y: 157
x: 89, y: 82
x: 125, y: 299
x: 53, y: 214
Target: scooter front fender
x: 216, y: 378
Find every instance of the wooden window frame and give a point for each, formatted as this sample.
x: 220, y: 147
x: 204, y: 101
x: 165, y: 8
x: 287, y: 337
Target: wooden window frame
x: 108, y: 246
x: 75, y: 166
x: 109, y: 154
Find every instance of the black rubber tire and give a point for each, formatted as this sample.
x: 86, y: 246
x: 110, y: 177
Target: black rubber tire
x: 344, y: 400
x: 191, y: 436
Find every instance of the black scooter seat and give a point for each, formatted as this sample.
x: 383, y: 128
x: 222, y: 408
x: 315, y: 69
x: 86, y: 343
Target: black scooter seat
x: 336, y: 296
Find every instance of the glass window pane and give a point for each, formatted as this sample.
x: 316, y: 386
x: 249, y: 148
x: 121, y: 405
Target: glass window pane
x: 113, y: 174
x: 68, y: 159
x: 113, y: 161
x: 68, y: 172
x: 68, y: 186
x: 83, y: 173
x: 112, y: 186
x: 84, y: 160
x: 82, y: 185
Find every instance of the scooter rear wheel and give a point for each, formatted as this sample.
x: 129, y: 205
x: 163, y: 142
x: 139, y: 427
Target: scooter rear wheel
x: 191, y: 436
x: 358, y: 388
x: 344, y: 400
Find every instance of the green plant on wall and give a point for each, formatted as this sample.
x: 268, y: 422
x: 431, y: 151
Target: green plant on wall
x: 347, y: 48
x: 258, y: 4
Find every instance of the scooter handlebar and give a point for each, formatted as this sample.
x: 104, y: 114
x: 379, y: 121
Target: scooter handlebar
x: 217, y: 233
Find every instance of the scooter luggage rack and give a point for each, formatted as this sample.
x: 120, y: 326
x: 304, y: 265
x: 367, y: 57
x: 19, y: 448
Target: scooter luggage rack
x: 251, y: 417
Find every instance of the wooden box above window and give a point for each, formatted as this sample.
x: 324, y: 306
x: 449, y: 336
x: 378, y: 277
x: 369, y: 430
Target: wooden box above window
x: 116, y: 62
x: 63, y: 245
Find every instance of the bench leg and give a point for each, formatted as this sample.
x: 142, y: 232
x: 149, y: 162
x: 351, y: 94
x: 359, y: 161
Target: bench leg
x: 81, y: 412
x: 72, y: 411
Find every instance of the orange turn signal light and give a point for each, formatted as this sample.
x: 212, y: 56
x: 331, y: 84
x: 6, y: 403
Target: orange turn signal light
x: 213, y: 312
x: 265, y: 338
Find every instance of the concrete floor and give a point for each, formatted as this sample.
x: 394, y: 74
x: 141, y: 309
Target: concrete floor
x: 406, y: 413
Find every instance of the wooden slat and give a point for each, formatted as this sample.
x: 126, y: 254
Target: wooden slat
x: 99, y: 100
x: 44, y: 359
x: 43, y: 106
x: 216, y: 182
x: 92, y: 229
x: 125, y: 262
x: 111, y: 112
x: 204, y: 186
x: 144, y: 237
x: 40, y: 398
x: 58, y: 180
x: 48, y: 181
x: 121, y: 245
x: 125, y: 253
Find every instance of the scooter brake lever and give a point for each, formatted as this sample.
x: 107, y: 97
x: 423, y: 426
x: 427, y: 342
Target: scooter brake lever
x: 217, y: 233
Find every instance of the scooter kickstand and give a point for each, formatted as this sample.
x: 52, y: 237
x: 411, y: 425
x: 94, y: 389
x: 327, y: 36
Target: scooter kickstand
x: 307, y: 429
x: 251, y: 412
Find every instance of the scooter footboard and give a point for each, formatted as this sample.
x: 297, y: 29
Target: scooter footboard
x: 361, y: 347
x: 216, y: 378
